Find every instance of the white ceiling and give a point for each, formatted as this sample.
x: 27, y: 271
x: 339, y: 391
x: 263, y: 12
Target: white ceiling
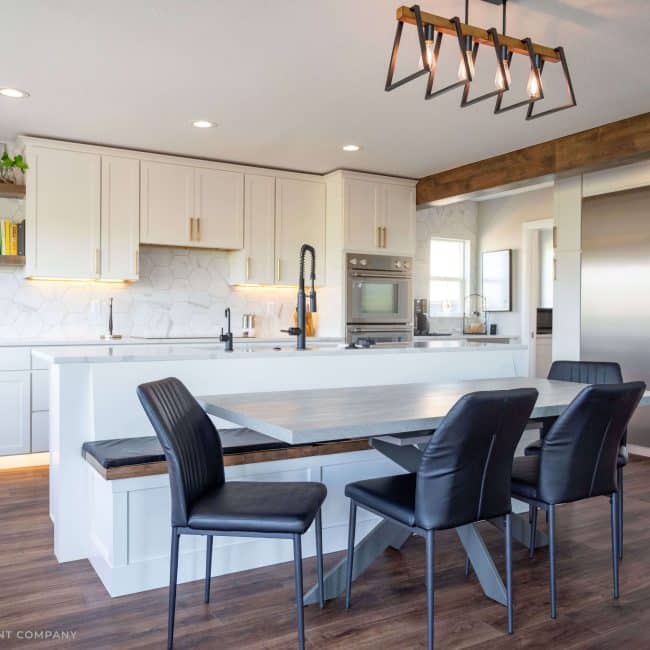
x: 290, y: 81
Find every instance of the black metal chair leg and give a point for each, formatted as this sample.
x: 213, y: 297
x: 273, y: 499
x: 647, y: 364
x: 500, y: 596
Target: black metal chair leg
x: 297, y: 568
x: 533, y: 532
x: 173, y: 575
x: 614, y: 509
x: 620, y: 513
x: 509, y: 571
x: 208, y: 568
x: 319, y: 559
x: 430, y: 551
x: 350, y: 559
x: 468, y: 566
x: 551, y: 535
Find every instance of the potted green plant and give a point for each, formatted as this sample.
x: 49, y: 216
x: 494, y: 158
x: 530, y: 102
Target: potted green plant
x: 9, y: 165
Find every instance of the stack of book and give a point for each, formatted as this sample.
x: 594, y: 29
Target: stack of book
x: 12, y: 237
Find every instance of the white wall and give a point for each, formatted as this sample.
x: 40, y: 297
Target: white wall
x: 546, y: 268
x: 500, y: 226
x: 457, y: 221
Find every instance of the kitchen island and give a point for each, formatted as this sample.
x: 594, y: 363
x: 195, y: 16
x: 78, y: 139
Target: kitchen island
x: 122, y: 525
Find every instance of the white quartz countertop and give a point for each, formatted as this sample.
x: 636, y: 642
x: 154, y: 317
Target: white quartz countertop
x: 243, y: 350
x: 134, y: 340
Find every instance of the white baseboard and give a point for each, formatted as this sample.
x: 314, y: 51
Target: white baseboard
x: 25, y: 460
x: 639, y: 450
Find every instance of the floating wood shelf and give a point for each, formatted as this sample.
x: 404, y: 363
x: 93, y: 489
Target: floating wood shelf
x: 12, y: 260
x: 9, y: 190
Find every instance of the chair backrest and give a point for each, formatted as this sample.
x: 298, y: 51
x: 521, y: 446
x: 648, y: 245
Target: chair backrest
x: 189, y: 439
x: 466, y: 469
x: 587, y: 372
x: 579, y: 453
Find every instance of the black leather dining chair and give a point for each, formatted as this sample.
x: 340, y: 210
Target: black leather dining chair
x: 204, y: 503
x: 464, y: 477
x: 578, y: 460
x: 586, y: 372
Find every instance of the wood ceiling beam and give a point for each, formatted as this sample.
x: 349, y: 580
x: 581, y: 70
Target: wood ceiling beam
x: 611, y: 144
x: 444, y: 25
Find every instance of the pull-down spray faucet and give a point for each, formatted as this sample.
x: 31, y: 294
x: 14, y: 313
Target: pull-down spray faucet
x: 301, y: 307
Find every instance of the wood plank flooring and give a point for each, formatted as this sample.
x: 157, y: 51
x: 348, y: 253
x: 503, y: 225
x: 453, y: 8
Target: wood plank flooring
x: 255, y: 609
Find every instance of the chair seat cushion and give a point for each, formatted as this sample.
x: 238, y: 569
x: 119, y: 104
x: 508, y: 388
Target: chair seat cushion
x: 525, y: 472
x: 262, y: 507
x: 535, y: 448
x: 393, y: 496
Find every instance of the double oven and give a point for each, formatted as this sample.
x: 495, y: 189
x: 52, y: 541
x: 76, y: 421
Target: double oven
x: 378, y: 300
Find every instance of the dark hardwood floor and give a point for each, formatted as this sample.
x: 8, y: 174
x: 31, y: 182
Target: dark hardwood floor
x: 255, y: 609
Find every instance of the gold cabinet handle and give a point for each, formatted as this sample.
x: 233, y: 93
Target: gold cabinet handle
x: 554, y: 236
x: 385, y: 237
x: 198, y: 229
x: 191, y: 229
x: 378, y: 236
x: 248, y: 269
x: 277, y: 270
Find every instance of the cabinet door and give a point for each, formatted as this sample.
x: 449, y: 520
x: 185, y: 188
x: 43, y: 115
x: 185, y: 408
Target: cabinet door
x: 299, y: 219
x: 120, y: 218
x: 360, y: 215
x: 166, y: 203
x: 15, y: 409
x: 399, y: 219
x: 255, y: 263
x: 218, y: 209
x: 63, y: 204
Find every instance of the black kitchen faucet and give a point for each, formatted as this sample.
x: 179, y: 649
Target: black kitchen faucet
x: 301, y: 307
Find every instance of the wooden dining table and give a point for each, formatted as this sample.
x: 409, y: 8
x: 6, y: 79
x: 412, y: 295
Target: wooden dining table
x: 394, y: 417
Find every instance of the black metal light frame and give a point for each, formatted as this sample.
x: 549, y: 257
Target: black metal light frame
x: 432, y: 71
x: 390, y: 84
x: 572, y: 97
x: 535, y: 67
x: 499, y: 54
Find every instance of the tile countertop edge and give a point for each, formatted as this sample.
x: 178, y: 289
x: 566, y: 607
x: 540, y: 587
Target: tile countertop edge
x: 70, y: 355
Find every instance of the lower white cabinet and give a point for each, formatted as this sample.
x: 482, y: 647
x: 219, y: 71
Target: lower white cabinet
x: 15, y: 409
x: 40, y: 431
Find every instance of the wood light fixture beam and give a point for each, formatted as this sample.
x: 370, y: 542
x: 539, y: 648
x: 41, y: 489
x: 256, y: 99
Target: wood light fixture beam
x: 446, y: 26
x: 615, y: 143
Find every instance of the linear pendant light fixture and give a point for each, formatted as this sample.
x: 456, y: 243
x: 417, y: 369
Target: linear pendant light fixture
x: 430, y: 31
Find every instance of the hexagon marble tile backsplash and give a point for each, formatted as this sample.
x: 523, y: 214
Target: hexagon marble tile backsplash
x: 181, y: 292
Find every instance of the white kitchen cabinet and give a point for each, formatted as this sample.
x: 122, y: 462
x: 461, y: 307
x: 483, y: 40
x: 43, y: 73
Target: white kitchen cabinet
x: 166, y: 204
x: 62, y: 213
x: 299, y: 219
x: 218, y: 209
x: 378, y: 216
x: 255, y: 263
x: 398, y: 219
x: 120, y: 218
x: 362, y: 214
x: 40, y: 431
x: 15, y: 409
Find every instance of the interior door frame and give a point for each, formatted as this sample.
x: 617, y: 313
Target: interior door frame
x: 530, y: 286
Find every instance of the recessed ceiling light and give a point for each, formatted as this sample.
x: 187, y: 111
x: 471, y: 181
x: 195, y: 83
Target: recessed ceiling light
x: 14, y: 93
x: 203, y: 124
x: 351, y: 147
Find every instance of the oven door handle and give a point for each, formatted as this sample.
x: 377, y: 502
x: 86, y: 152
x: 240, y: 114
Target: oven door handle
x: 379, y: 274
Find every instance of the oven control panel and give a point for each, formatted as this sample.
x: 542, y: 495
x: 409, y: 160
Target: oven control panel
x: 389, y: 263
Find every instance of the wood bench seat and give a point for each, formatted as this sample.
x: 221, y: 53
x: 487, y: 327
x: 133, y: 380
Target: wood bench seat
x: 121, y: 458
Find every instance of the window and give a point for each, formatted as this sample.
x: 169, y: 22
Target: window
x: 449, y: 263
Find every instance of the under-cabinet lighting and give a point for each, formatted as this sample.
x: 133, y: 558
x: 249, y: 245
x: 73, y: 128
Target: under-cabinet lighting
x: 75, y: 280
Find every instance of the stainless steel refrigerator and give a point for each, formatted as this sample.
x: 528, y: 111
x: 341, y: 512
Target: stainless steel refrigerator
x: 615, y: 300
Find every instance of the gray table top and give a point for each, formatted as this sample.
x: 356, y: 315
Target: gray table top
x: 319, y: 415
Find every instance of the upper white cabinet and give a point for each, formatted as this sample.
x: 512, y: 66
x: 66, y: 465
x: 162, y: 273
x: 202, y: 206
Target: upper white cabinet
x: 377, y: 215
x: 166, y: 204
x: 398, y: 219
x: 255, y: 263
x: 120, y: 218
x: 362, y: 214
x: 63, y: 212
x: 218, y: 209
x: 299, y: 219
x: 191, y: 206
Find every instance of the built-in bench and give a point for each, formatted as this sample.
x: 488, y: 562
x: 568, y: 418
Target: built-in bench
x: 121, y: 458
